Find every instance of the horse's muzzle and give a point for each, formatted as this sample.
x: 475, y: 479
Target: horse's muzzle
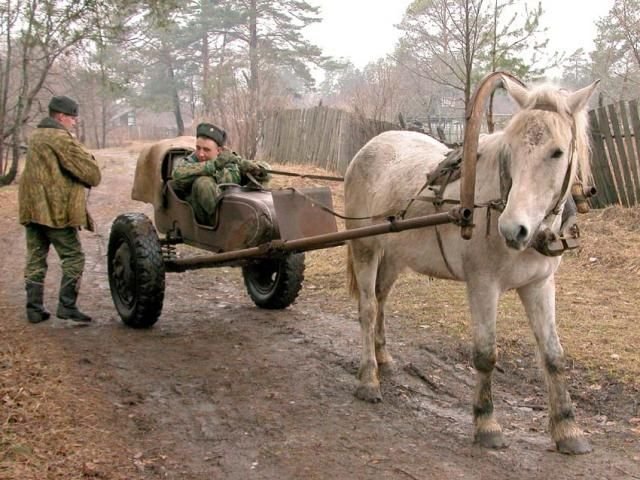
x: 516, y: 236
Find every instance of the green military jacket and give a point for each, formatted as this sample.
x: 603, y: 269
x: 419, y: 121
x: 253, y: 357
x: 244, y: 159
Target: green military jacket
x: 57, y: 171
x: 227, y: 167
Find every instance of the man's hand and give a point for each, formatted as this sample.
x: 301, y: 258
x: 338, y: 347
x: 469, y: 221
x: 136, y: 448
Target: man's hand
x: 260, y: 171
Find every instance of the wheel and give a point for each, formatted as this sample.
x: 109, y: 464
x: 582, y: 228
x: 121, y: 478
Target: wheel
x: 275, y: 283
x: 136, y: 270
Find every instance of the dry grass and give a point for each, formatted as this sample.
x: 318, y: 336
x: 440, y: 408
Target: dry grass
x: 49, y: 427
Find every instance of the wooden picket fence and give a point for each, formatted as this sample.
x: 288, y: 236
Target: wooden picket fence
x: 615, y: 130
x: 324, y: 137
x: 329, y: 138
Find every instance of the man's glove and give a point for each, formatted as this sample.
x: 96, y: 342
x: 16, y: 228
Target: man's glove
x: 259, y: 171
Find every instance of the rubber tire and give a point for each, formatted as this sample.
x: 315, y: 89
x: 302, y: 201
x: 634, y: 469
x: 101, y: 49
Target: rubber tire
x: 275, y: 283
x: 136, y: 270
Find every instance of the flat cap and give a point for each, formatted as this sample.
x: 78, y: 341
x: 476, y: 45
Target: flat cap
x: 65, y: 105
x: 211, y: 131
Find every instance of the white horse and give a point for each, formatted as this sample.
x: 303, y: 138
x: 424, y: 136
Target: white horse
x: 546, y: 146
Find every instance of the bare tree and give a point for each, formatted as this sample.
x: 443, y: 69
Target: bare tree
x: 36, y: 34
x: 512, y: 34
x: 616, y: 58
x: 444, y: 36
x: 455, y: 42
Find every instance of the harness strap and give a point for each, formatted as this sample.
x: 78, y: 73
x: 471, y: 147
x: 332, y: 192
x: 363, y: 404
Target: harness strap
x: 444, y: 256
x: 567, y: 177
x: 306, y: 175
x: 386, y: 215
x: 441, y: 247
x: 505, y: 175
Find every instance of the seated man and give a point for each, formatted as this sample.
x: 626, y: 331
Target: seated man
x: 198, y: 176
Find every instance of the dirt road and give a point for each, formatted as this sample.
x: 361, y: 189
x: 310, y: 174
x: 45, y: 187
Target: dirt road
x: 219, y: 389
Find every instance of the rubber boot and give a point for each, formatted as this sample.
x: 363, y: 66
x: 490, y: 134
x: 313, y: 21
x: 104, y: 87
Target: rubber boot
x: 36, y: 312
x: 67, y: 309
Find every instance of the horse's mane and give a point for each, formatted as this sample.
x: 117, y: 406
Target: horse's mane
x: 548, y: 97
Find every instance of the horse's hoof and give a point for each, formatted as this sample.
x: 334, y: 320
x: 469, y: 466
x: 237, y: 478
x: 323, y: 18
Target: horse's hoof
x: 574, y: 446
x: 493, y: 440
x: 369, y: 394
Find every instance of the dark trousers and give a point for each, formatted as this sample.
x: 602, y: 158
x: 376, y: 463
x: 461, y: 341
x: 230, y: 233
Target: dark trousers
x: 65, y: 241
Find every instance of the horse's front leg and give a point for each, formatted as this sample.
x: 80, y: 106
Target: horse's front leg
x: 539, y: 303
x: 483, y: 301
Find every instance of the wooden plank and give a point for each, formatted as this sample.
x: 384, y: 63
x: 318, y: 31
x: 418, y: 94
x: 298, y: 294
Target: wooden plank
x: 334, y: 158
x: 631, y: 164
x: 328, y: 118
x: 321, y: 147
x: 301, y: 134
x: 600, y: 167
x: 611, y: 149
x: 635, y: 126
x: 622, y: 155
x: 342, y: 154
x: 603, y: 174
x: 315, y: 139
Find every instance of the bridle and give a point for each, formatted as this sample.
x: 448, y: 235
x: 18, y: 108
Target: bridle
x: 546, y: 241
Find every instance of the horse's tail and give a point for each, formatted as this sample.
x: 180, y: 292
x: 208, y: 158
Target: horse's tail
x: 352, y: 281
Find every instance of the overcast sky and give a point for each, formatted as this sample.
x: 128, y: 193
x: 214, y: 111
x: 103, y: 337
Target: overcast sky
x: 363, y: 30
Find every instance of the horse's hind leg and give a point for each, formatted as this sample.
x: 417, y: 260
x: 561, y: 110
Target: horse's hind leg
x: 483, y: 301
x: 386, y: 277
x: 539, y: 303
x: 365, y: 261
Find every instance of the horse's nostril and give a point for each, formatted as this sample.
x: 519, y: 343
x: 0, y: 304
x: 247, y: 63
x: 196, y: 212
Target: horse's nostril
x: 523, y: 233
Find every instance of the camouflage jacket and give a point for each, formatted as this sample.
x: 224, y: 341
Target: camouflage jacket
x: 227, y: 167
x: 57, y: 171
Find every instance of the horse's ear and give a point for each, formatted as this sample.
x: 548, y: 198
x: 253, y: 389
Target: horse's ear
x: 579, y: 99
x: 516, y: 91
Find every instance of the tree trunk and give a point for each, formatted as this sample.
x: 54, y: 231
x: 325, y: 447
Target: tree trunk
x: 176, y: 100
x: 254, y: 83
x: 221, y: 109
x: 205, y: 74
x: 468, y: 57
x: 19, y: 115
x: 94, y: 120
x: 103, y: 106
x: 491, y: 124
x: 15, y: 157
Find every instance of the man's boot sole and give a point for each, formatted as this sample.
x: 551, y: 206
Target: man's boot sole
x: 43, y: 318
x: 74, y: 319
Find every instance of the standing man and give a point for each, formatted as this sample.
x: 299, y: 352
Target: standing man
x: 52, y: 201
x: 198, y: 176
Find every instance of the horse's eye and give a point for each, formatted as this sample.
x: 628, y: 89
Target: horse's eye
x: 557, y: 153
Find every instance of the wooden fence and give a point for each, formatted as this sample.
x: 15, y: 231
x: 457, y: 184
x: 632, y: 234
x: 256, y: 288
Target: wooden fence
x: 319, y: 136
x: 329, y: 138
x: 615, y: 131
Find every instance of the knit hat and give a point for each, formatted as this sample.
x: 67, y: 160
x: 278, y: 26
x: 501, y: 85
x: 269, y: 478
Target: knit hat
x: 64, y: 105
x: 211, y: 131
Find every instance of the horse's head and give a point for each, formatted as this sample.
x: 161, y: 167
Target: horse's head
x: 547, y: 148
